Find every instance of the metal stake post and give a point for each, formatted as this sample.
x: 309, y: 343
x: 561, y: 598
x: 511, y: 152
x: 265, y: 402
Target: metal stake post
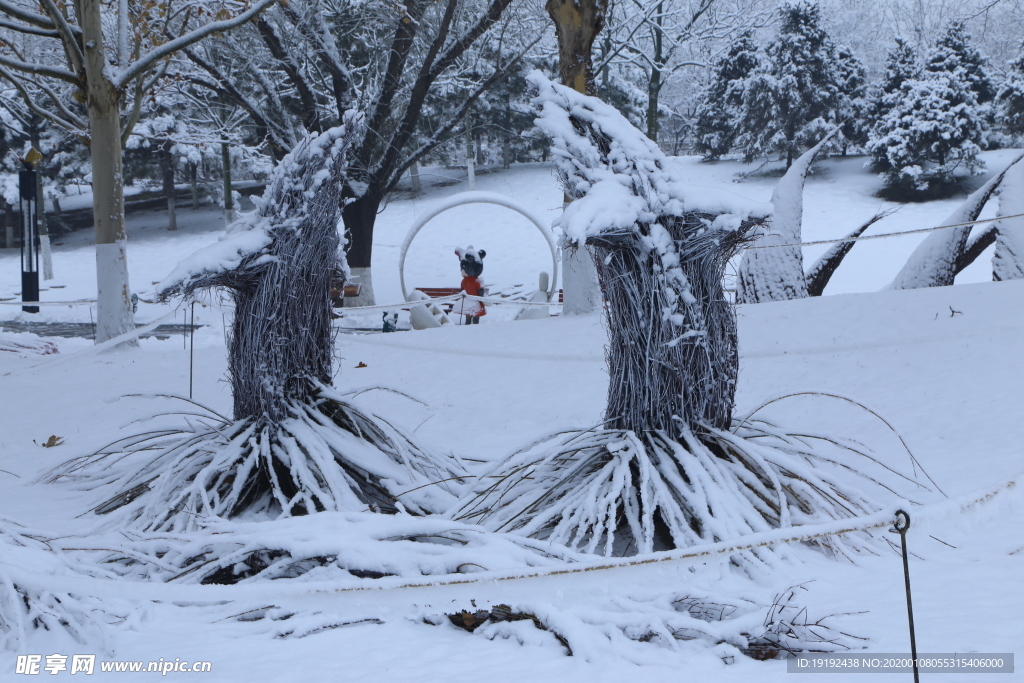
x: 901, y: 526
x: 29, y: 239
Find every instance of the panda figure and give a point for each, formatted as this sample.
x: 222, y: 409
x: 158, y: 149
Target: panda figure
x: 472, y: 263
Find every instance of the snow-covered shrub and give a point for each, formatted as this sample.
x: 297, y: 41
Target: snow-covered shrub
x: 630, y: 625
x: 294, y: 445
x: 663, y: 469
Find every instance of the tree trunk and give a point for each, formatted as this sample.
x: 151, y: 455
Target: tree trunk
x: 659, y: 377
x: 229, y: 199
x: 470, y: 169
x: 194, y: 182
x: 654, y: 85
x: 577, y: 23
x: 113, y: 296
x: 167, y: 157
x: 8, y: 226
x: 359, y: 217
x: 281, y: 342
x: 414, y: 178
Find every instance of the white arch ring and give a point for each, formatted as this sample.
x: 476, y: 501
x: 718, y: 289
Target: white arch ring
x: 478, y: 198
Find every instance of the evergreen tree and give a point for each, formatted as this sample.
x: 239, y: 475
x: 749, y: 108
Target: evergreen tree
x: 1010, y: 101
x: 932, y: 130
x: 719, y: 111
x: 793, y: 96
x: 901, y: 65
x: 854, y: 102
x: 954, y: 54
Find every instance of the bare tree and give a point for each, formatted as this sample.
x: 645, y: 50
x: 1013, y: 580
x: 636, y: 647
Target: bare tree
x: 89, y: 73
x: 300, y: 66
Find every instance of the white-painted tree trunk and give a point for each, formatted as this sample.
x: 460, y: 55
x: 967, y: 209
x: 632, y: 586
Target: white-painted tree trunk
x: 46, y: 255
x: 414, y: 176
x: 581, y: 291
x: 470, y: 168
x: 1008, y: 261
x: 933, y: 263
x: 113, y: 296
x: 363, y: 278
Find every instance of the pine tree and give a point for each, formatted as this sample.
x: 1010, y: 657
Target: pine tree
x: 854, y: 103
x: 1010, y: 100
x: 954, y: 54
x: 901, y: 65
x: 793, y: 96
x: 718, y: 114
x: 932, y: 131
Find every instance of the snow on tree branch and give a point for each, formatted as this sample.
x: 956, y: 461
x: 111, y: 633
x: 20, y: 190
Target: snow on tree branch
x: 144, y: 63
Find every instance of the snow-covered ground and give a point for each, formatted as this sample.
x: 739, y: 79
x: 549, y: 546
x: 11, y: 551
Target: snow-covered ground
x: 942, y: 366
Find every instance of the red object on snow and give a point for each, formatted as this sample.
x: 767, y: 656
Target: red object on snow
x: 474, y: 287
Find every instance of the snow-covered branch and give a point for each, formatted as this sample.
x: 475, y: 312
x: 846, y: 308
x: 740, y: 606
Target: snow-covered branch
x: 29, y: 30
x: 39, y: 70
x: 144, y: 63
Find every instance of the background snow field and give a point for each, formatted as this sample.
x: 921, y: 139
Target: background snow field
x: 943, y: 366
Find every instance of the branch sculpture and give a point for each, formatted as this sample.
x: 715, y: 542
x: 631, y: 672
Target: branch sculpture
x: 295, y: 445
x: 667, y: 467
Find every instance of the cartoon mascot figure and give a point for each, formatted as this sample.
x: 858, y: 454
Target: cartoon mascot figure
x: 472, y: 264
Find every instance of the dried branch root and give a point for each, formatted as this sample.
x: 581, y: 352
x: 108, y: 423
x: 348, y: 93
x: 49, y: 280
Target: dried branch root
x: 323, y: 456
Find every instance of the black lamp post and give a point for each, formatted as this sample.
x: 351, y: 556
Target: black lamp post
x: 29, y: 239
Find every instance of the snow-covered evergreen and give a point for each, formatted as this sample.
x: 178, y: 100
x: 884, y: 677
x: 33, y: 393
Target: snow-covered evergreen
x: 1010, y: 100
x: 795, y: 94
x: 954, y: 54
x: 719, y: 112
x: 854, y: 101
x: 932, y: 132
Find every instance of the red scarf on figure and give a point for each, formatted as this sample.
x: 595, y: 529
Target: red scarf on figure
x: 473, y: 286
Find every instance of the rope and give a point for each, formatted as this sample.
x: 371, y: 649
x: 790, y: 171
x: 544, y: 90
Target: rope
x: 750, y: 542
x: 497, y: 301
x: 259, y: 590
x: 888, y: 234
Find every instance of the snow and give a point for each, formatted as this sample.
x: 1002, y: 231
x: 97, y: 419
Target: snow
x: 1008, y: 261
x: 933, y: 263
x: 777, y: 274
x: 941, y: 365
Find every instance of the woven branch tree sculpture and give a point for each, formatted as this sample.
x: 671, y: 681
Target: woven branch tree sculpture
x: 295, y: 445
x: 664, y: 469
